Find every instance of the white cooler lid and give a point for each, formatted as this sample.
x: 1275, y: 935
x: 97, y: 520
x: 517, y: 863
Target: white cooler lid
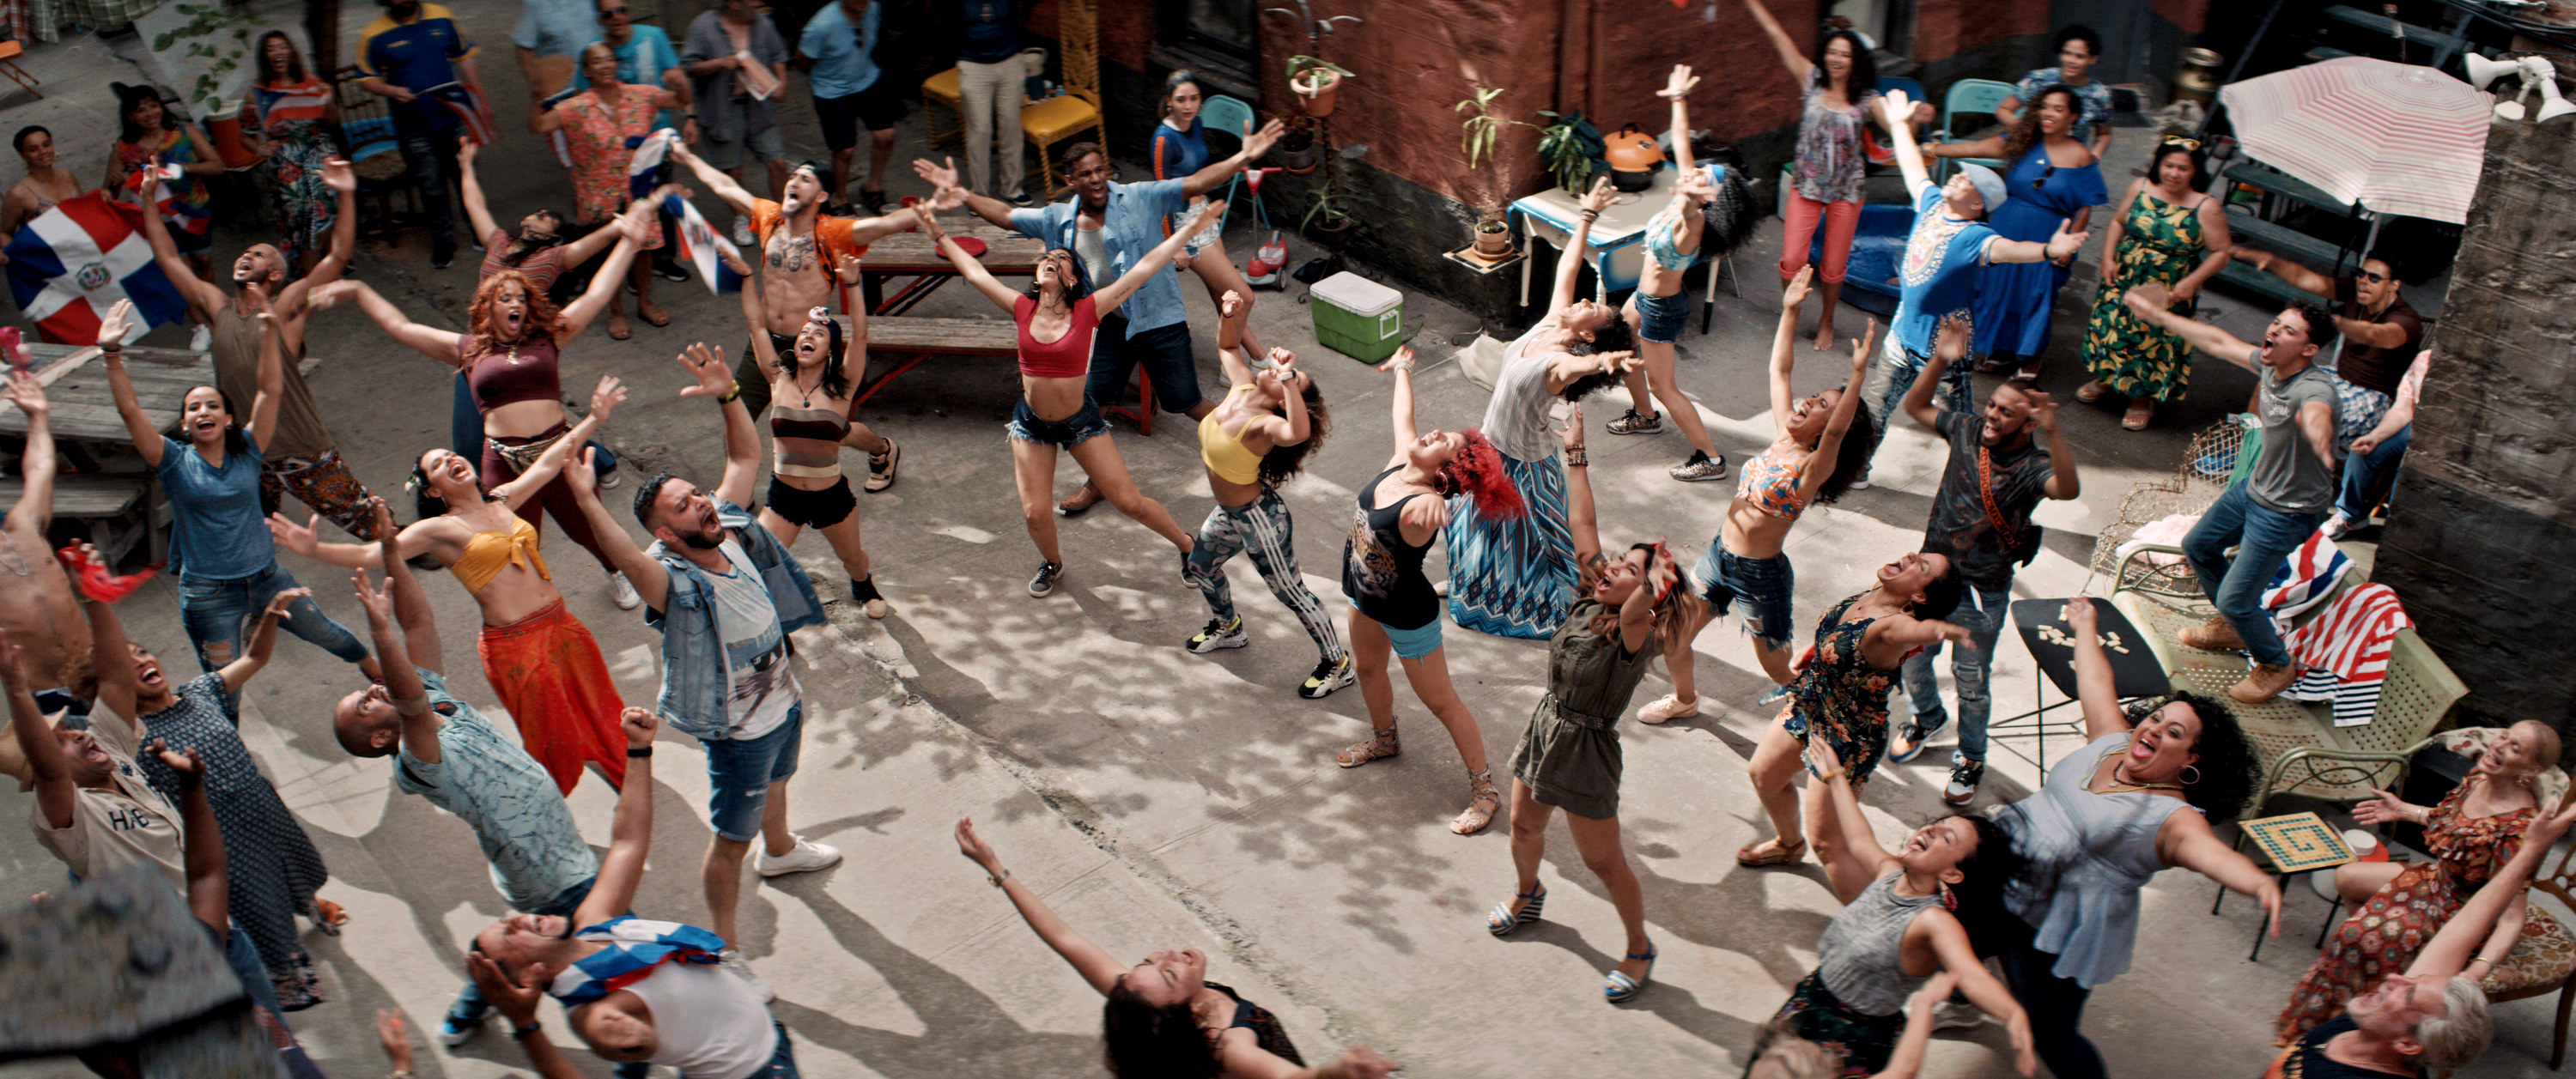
x: 1357, y: 295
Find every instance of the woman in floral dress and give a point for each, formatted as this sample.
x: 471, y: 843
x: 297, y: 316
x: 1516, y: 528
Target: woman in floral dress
x: 2166, y: 232
x: 598, y: 122
x: 293, y: 122
x: 2472, y: 833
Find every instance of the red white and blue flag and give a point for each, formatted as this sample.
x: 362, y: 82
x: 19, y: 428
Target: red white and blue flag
x: 704, y: 247
x: 469, y: 107
x: 643, y: 171
x: 635, y: 947
x: 71, y: 263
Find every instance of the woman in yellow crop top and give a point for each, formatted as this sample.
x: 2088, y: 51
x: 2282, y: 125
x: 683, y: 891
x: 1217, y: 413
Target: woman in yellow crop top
x: 541, y: 660
x: 1824, y: 442
x: 1268, y: 425
x: 811, y: 390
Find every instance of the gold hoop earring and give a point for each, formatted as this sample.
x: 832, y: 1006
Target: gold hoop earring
x: 2195, y: 775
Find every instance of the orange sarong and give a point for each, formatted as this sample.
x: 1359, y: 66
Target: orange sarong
x: 549, y: 675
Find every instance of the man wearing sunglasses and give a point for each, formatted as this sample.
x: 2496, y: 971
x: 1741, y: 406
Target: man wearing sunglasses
x: 2381, y: 334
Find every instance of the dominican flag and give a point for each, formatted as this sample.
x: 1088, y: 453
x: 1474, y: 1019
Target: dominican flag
x: 644, y: 169
x: 469, y: 107
x: 635, y: 947
x: 704, y: 247
x: 73, y: 262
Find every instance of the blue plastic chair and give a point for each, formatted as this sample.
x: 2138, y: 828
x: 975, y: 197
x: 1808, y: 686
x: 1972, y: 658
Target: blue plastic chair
x: 1227, y: 116
x: 1969, y: 97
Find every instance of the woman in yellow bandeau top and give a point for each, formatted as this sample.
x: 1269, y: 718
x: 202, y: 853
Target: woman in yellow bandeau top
x: 1270, y: 422
x: 541, y: 661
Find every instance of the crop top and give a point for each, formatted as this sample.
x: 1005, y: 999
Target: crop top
x: 1224, y: 454
x: 525, y: 371
x: 791, y: 423
x: 1068, y: 356
x: 487, y: 552
x: 1771, y: 488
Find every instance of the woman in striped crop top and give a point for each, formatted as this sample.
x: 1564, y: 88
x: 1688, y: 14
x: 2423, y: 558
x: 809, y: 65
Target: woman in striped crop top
x: 1824, y: 442
x: 1057, y: 317
x: 810, y: 392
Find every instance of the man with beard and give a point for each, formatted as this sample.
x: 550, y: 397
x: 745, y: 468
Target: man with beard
x: 1109, y: 226
x: 1998, y: 473
x: 725, y: 594
x: 304, y: 458
x: 799, y: 246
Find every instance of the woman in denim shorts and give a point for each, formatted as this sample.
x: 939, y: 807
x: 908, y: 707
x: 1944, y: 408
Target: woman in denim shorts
x: 1658, y: 309
x: 1057, y: 318
x: 1824, y: 441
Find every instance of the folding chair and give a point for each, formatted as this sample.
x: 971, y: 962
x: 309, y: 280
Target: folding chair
x: 1970, y: 98
x: 1228, y: 116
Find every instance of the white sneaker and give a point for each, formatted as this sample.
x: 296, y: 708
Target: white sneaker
x: 622, y: 592
x: 1666, y: 709
x: 807, y: 857
x: 2336, y: 526
x: 202, y: 339
x: 742, y: 231
x: 733, y: 964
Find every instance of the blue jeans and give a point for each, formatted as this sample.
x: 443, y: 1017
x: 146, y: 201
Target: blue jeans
x: 1165, y: 352
x: 1901, y: 374
x: 215, y: 611
x: 740, y: 772
x: 2263, y: 538
x: 2363, y: 471
x: 1981, y: 613
x: 431, y: 157
x: 465, y: 430
x: 470, y: 1006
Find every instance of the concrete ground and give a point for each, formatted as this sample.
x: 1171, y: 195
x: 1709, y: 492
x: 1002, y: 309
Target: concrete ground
x: 1161, y: 799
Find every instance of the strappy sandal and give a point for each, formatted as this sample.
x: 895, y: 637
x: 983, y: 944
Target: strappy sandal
x: 329, y: 916
x: 1619, y: 988
x: 2091, y: 392
x: 1480, y: 795
x: 1501, y: 921
x: 1779, y: 854
x: 1384, y: 744
x: 2142, y: 411
x: 649, y: 320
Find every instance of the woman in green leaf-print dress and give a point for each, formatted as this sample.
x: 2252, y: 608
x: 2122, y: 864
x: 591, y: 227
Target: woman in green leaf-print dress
x: 2166, y: 232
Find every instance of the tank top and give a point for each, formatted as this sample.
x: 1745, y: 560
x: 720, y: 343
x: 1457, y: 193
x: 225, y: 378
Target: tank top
x: 806, y: 424
x: 1226, y: 454
x: 1068, y: 356
x: 1265, y: 1028
x: 1771, y: 489
x: 1861, y: 957
x: 2088, y: 855
x: 706, y: 1021
x: 1381, y: 573
x: 486, y: 552
x: 504, y: 375
x: 1516, y: 416
x: 299, y: 432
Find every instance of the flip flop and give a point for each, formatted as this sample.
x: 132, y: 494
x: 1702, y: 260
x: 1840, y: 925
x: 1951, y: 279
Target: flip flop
x: 649, y: 320
x: 1780, y: 854
x: 2141, y: 412
x: 2091, y: 392
x: 329, y: 916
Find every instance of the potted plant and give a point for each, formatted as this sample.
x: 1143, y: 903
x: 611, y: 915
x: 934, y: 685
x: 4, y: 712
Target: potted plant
x: 1317, y: 80
x: 1478, y: 134
x: 1297, y: 151
x: 1572, y: 149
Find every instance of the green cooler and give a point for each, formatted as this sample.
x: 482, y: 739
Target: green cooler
x: 1358, y: 317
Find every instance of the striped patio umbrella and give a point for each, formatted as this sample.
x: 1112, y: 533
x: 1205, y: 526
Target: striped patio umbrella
x: 2396, y: 138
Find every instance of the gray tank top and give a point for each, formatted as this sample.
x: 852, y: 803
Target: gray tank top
x: 1861, y: 956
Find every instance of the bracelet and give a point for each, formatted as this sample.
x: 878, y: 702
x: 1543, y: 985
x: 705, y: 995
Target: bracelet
x: 1590, y: 216
x: 639, y: 751
x: 521, y: 1033
x: 1574, y: 458
x: 730, y: 395
x: 1829, y: 776
x: 998, y: 878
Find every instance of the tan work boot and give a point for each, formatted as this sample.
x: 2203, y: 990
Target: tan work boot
x: 2214, y: 635
x: 2264, y: 682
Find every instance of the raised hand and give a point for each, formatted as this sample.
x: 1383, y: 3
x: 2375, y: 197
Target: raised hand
x: 1896, y: 107
x: 946, y: 198
x: 2148, y: 299
x: 937, y: 175
x: 1598, y: 199
x: 1794, y: 294
x: 580, y: 473
x: 713, y: 380
x: 1571, y: 431
x: 29, y: 395
x: 1820, y: 752
x: 2043, y: 411
x: 328, y: 293
x: 1401, y: 361
x: 517, y: 1001
x: 278, y: 603
x: 848, y: 269
x: 1680, y: 85
x: 2065, y: 243
x: 299, y: 538
x: 382, y: 514
x: 1694, y: 185
x: 184, y: 763
x: 1257, y: 143
x: 607, y: 397
x: 337, y: 177
x: 1229, y: 303
x: 975, y: 849
x: 1951, y: 342
x: 1861, y: 347
x: 378, y: 602
x: 119, y: 323
x: 2081, y: 617
x: 639, y: 725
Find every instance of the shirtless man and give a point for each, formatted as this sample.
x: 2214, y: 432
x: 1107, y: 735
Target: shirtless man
x: 796, y: 278
x: 37, y: 608
x: 305, y: 459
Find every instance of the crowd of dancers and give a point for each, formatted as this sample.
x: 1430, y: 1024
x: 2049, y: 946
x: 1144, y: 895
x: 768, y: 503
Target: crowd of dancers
x: 134, y: 769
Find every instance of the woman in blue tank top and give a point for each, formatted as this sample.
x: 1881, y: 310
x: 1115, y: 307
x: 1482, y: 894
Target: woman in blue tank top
x: 1180, y: 148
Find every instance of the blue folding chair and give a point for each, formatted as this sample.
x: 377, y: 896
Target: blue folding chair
x: 1227, y: 116
x: 1969, y: 98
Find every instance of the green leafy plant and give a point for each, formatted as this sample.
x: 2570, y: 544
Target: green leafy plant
x: 1572, y: 149
x: 1301, y: 64
x: 215, y: 32
x: 1331, y: 205
x: 1481, y: 129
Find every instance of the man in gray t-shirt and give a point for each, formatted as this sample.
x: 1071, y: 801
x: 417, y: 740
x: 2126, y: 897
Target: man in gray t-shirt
x: 2285, y: 495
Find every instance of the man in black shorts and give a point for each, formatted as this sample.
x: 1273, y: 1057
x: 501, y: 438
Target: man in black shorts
x: 850, y: 91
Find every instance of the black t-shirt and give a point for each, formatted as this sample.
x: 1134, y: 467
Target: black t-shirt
x: 2308, y: 1060
x: 2369, y: 366
x: 1960, y: 527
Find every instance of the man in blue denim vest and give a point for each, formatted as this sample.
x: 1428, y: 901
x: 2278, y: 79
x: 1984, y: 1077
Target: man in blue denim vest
x: 725, y: 594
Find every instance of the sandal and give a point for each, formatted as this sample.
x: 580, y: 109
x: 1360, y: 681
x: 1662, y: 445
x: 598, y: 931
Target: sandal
x: 618, y: 330
x: 329, y: 916
x: 1620, y: 988
x: 1383, y: 745
x: 1482, y: 803
x: 881, y: 468
x: 2142, y: 410
x: 2091, y: 392
x: 1779, y: 854
x: 648, y: 318
x: 1502, y: 920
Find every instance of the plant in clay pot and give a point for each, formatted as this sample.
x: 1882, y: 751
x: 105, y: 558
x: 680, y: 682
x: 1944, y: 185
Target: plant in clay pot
x: 1297, y: 151
x: 1318, y: 81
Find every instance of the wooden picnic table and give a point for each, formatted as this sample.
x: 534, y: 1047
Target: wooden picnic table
x: 83, y: 411
x: 911, y: 254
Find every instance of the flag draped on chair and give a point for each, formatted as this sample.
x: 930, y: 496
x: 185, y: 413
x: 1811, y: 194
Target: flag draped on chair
x: 2346, y: 650
x: 71, y: 263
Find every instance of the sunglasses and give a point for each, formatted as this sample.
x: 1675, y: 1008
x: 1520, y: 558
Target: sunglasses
x: 2177, y: 140
x: 2040, y: 182
x: 2370, y: 278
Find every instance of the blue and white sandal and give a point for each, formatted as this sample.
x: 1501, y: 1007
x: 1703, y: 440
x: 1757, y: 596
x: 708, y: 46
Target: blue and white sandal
x: 1501, y: 921
x: 1620, y: 988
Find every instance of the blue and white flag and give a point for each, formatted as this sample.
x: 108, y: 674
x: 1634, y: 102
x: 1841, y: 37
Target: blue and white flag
x: 644, y: 169
x: 68, y: 265
x: 703, y: 246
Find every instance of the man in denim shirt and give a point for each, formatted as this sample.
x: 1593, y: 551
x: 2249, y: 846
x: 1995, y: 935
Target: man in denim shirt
x: 725, y: 594
x: 1108, y: 226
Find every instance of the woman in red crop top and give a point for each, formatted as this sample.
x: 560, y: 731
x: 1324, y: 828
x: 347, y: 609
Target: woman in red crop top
x: 510, y: 356
x: 1057, y: 317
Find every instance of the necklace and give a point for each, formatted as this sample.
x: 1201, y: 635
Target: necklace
x: 2127, y: 788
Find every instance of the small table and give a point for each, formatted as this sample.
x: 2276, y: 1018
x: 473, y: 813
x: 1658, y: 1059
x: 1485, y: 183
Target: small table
x: 911, y: 254
x: 2294, y: 843
x: 1615, y: 245
x: 2042, y: 622
x: 83, y: 411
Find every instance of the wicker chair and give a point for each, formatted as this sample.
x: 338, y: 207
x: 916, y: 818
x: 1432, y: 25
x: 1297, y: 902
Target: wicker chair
x: 2543, y: 961
x: 2188, y: 491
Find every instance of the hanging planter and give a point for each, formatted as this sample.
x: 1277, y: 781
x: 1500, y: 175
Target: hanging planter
x: 1297, y: 152
x: 1316, y: 81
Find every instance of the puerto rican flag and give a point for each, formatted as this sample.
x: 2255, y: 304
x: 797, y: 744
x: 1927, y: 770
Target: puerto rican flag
x: 704, y: 247
x: 636, y: 947
x: 469, y: 107
x: 73, y: 262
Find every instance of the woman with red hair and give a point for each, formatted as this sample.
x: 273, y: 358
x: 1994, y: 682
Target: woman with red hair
x: 511, y: 354
x: 1393, y: 606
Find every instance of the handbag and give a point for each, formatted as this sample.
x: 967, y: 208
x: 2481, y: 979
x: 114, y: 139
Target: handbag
x: 2021, y: 544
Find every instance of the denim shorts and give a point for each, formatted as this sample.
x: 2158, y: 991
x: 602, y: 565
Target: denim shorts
x: 1660, y: 318
x: 1412, y: 643
x: 1085, y: 424
x: 739, y: 773
x: 1764, y: 585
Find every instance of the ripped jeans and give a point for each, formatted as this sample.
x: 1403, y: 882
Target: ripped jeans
x: 217, y: 614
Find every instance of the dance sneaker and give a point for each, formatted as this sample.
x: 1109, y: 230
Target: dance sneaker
x: 1965, y: 774
x: 805, y: 857
x: 1634, y: 424
x: 1218, y: 633
x: 455, y: 1030
x: 1701, y: 468
x: 1330, y: 673
x: 2215, y: 635
x: 1043, y: 585
x: 1666, y: 708
x: 622, y: 592
x: 1907, y: 743
x: 2337, y: 526
x: 730, y: 961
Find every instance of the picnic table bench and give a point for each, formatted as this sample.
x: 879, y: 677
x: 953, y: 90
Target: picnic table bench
x: 121, y: 511
x: 911, y: 254
x: 919, y: 337
x: 103, y: 483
